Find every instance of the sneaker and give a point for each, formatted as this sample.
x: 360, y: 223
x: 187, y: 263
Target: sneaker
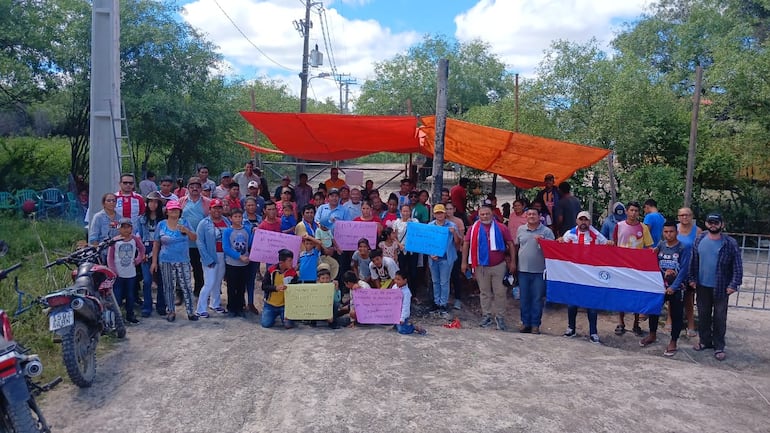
x: 594, y: 338
x: 219, y: 310
x: 500, y: 322
x: 192, y: 317
x: 486, y: 321
x: 535, y: 330
x: 443, y: 313
x: 458, y: 305
x: 570, y: 333
x: 133, y: 320
x: 525, y: 329
x: 205, y: 315
x: 434, y: 309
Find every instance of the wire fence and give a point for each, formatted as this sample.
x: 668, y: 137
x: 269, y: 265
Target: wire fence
x: 755, y: 291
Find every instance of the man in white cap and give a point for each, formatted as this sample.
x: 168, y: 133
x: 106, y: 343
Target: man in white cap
x: 583, y: 234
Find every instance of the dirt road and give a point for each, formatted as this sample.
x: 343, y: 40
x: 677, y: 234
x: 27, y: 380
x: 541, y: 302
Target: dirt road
x: 230, y: 375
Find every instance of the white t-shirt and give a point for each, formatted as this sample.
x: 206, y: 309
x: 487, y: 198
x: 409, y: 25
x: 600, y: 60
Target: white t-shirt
x: 386, y: 272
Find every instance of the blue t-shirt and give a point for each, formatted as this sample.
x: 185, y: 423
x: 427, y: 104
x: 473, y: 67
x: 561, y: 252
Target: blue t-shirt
x: 174, y: 246
x: 193, y: 214
x: 708, y: 255
x: 308, y: 265
x: 654, y: 221
x: 288, y: 222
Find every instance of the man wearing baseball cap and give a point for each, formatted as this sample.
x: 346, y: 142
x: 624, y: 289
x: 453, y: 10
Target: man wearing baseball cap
x: 583, y: 234
x: 441, y: 266
x: 716, y: 272
x: 221, y: 191
x: 195, y: 207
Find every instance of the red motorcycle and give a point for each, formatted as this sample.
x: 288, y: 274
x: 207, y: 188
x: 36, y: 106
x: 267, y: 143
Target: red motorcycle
x: 81, y: 313
x: 19, y: 411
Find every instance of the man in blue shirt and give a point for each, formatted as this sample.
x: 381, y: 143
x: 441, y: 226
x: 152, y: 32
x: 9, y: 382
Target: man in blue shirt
x: 653, y: 220
x: 716, y: 272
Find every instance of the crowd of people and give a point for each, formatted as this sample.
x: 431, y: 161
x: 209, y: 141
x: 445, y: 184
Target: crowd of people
x: 183, y: 243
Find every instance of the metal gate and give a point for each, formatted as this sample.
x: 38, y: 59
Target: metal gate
x: 755, y: 290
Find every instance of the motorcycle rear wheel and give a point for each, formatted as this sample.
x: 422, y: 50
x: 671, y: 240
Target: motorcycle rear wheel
x: 18, y: 418
x: 79, y: 354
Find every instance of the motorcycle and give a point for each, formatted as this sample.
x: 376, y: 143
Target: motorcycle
x: 19, y: 411
x: 79, y: 314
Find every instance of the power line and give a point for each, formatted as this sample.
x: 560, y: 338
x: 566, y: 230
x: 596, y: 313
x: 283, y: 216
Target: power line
x: 249, y: 40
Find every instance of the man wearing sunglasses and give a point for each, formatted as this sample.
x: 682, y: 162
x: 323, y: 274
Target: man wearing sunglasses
x: 716, y: 272
x: 130, y: 204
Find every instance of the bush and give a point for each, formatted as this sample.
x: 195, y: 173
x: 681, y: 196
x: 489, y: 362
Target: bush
x: 24, y: 238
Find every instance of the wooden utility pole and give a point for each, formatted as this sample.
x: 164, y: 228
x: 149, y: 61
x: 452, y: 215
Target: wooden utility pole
x: 611, y: 173
x: 258, y: 159
x: 693, y: 137
x: 442, y: 80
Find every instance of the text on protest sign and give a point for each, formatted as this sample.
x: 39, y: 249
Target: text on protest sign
x: 377, y: 306
x: 309, y: 301
x: 426, y: 238
x: 348, y: 233
x: 267, y: 243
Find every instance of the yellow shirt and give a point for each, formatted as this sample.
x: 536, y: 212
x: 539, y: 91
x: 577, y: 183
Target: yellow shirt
x: 276, y: 298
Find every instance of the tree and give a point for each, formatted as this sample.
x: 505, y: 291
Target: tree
x: 476, y: 77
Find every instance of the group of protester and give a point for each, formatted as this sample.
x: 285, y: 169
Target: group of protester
x: 192, y: 238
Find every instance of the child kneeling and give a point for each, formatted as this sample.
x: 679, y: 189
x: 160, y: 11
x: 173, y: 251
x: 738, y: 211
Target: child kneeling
x: 405, y: 326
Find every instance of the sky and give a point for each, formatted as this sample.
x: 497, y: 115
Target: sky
x: 258, y: 38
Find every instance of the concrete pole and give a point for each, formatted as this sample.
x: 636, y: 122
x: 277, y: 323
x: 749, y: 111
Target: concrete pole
x: 104, y: 160
x: 442, y: 79
x: 693, y: 137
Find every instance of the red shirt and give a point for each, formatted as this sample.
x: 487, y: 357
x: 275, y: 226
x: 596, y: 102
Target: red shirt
x: 221, y: 225
x: 459, y: 198
x: 273, y: 227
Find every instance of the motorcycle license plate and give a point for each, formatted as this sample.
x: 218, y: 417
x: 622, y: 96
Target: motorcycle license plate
x: 61, y: 319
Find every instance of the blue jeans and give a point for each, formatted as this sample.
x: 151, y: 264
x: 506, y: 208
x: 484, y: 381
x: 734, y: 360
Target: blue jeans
x: 440, y: 272
x: 592, y: 314
x: 160, y: 303
x: 124, y: 288
x: 406, y: 328
x: 270, y: 313
x: 532, y: 286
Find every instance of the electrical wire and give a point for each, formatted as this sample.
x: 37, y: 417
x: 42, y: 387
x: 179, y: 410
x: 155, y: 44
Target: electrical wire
x: 249, y: 40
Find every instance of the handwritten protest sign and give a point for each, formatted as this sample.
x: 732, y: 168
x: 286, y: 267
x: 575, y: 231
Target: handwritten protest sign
x: 426, y: 239
x: 309, y: 301
x: 347, y: 233
x: 267, y: 243
x: 377, y: 306
x: 354, y: 178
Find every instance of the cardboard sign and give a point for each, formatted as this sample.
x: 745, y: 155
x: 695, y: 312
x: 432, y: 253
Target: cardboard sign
x: 267, y: 243
x: 426, y: 239
x: 377, y: 306
x: 348, y: 233
x: 309, y: 301
x: 354, y: 178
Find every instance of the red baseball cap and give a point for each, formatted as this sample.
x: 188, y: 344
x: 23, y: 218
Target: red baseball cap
x: 216, y: 203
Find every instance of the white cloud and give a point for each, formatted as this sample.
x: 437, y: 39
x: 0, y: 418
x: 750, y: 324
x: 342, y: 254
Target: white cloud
x: 268, y: 25
x: 519, y: 31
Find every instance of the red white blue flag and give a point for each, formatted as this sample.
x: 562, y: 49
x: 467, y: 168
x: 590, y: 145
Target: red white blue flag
x: 603, y: 277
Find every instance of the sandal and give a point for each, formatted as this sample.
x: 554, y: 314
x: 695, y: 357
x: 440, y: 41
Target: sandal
x: 720, y: 355
x: 691, y: 333
x: 700, y: 347
x: 670, y: 351
x: 620, y: 329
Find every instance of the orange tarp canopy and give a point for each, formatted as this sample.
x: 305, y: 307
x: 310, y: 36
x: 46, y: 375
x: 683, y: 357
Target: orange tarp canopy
x: 522, y: 159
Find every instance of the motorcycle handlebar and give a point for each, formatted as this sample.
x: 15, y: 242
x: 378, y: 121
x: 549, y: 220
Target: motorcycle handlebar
x: 83, y: 254
x: 4, y: 273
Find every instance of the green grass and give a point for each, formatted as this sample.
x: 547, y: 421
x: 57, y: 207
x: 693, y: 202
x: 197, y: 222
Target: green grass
x: 31, y: 327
